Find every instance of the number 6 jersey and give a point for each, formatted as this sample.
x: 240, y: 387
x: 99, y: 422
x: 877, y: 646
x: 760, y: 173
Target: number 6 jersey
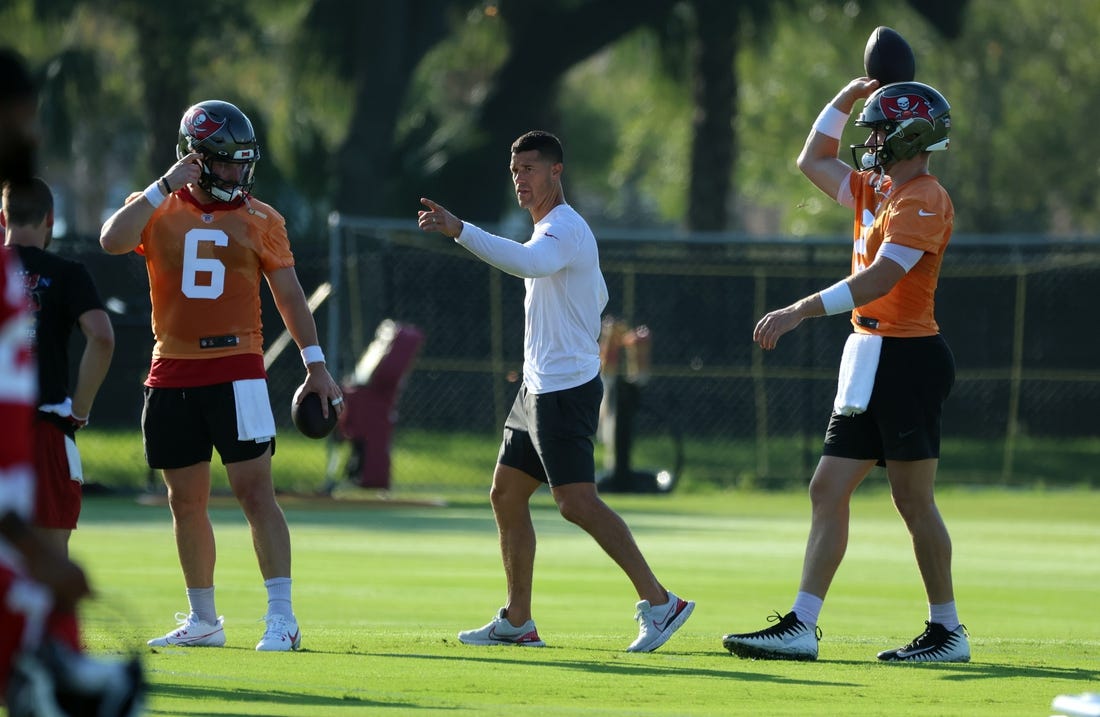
x: 205, y: 263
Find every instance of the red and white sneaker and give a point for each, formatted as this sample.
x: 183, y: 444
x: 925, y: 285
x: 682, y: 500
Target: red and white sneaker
x: 656, y: 624
x: 280, y: 635
x: 501, y: 632
x: 192, y: 632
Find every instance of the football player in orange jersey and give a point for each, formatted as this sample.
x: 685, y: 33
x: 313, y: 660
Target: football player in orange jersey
x: 207, y: 244
x: 897, y: 369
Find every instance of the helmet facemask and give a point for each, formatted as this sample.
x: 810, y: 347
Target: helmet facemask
x: 220, y: 132
x: 226, y: 190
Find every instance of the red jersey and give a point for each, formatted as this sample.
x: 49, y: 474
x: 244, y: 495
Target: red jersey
x: 919, y: 215
x: 205, y: 265
x: 17, y: 392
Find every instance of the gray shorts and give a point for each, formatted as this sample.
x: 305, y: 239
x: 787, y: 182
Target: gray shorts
x: 549, y: 436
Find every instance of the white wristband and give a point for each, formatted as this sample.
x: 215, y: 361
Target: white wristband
x: 837, y: 299
x: 154, y: 194
x: 831, y: 122
x: 312, y: 354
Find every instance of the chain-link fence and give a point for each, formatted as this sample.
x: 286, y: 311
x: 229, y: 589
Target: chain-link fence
x: 1022, y: 409
x: 1016, y: 312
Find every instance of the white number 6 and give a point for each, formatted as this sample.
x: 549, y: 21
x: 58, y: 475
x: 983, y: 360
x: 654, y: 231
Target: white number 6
x: 193, y: 264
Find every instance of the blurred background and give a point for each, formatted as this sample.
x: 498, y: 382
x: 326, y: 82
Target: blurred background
x: 681, y: 120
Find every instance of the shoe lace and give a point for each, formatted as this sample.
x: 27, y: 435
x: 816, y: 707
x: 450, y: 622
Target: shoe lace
x: 183, y: 619
x: 275, y: 624
x: 786, y: 623
x: 641, y: 614
x: 918, y: 642
x: 782, y: 623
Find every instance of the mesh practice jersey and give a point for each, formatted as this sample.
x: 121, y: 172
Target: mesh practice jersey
x: 205, y: 264
x: 919, y: 215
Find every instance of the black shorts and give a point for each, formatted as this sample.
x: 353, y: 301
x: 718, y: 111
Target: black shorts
x: 549, y: 436
x: 182, y: 426
x: 902, y: 420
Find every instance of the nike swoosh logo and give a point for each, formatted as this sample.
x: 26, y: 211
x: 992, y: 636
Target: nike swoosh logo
x: 906, y: 434
x: 184, y: 637
x: 923, y: 650
x: 922, y: 213
x: 668, y: 620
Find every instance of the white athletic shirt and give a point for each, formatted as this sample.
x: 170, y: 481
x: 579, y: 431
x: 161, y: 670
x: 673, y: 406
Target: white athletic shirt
x: 566, y: 295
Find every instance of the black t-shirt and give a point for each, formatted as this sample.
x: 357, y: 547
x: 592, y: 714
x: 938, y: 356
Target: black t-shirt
x: 60, y: 290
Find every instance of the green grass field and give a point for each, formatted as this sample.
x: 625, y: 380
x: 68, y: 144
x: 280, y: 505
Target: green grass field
x: 381, y: 590
x: 433, y: 460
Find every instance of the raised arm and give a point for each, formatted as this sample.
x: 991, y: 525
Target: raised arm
x: 121, y: 233
x: 819, y: 159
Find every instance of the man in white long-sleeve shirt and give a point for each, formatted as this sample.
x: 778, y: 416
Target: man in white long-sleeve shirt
x: 548, y: 434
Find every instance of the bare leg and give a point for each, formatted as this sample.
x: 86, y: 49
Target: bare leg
x: 188, y: 497
x: 580, y: 503
x: 831, y: 488
x: 510, y: 496
x: 912, y: 487
x: 253, y: 488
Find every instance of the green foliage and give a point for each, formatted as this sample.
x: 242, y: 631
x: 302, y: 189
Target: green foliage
x: 1024, y: 93
x: 1017, y: 79
x: 1020, y: 79
x: 629, y: 124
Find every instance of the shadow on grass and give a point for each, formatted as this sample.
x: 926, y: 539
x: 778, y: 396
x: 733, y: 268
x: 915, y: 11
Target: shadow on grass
x: 617, y: 666
x: 976, y: 670
x: 208, y: 694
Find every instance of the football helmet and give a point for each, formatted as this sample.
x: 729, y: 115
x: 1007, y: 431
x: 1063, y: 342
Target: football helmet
x: 220, y: 132
x: 913, y: 117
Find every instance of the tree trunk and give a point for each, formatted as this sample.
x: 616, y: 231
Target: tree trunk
x: 164, y: 42
x: 713, y: 144
x: 523, y: 95
x: 391, y: 38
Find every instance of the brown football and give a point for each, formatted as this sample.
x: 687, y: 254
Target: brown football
x: 307, y: 416
x: 888, y: 58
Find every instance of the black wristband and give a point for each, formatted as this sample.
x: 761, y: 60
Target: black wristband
x: 167, y: 187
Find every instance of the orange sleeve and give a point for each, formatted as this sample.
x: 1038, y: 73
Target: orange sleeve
x: 918, y: 222
x: 274, y: 245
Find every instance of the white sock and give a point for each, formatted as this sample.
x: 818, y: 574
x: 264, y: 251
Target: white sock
x: 278, y: 597
x: 945, y: 614
x: 807, y: 607
x: 201, y: 601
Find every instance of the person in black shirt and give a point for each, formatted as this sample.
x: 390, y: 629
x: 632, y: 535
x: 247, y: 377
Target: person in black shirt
x: 63, y: 297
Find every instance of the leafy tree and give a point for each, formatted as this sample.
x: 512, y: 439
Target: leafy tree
x: 367, y: 106
x: 543, y: 41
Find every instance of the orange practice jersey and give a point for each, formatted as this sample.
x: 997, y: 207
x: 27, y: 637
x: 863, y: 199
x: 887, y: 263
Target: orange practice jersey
x: 919, y: 215
x: 205, y: 265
